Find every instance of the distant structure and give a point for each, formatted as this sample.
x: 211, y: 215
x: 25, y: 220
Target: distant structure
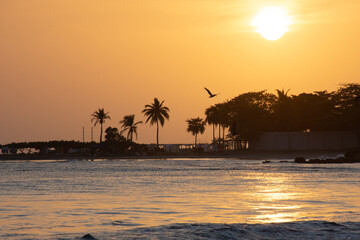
x: 211, y: 95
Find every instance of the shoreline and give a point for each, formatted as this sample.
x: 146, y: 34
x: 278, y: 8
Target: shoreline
x: 243, y: 155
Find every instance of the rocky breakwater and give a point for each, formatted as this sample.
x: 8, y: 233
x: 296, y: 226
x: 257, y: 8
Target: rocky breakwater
x: 350, y: 157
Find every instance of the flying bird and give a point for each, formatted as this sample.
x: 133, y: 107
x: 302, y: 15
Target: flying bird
x: 211, y: 94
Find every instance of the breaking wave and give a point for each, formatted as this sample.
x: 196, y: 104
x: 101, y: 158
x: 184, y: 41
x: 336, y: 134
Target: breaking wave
x: 317, y: 230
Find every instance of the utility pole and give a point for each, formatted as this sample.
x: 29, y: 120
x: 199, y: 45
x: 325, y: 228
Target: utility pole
x: 83, y: 134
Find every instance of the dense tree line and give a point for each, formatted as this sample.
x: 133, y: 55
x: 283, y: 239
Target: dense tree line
x: 114, y: 143
x: 245, y: 116
x: 43, y: 146
x: 249, y: 114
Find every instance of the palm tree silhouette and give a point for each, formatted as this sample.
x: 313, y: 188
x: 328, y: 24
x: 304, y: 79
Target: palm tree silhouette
x: 196, y: 126
x: 99, y: 116
x: 211, y: 118
x: 282, y: 95
x: 128, y: 123
x: 156, y: 113
x: 284, y: 111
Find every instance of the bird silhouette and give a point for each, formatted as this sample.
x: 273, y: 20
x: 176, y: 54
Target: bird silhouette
x: 211, y: 95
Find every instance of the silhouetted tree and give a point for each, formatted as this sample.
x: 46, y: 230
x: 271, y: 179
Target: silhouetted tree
x: 251, y: 114
x: 196, y: 126
x: 283, y: 112
x: 100, y: 116
x: 313, y: 112
x: 112, y: 135
x: 346, y: 107
x: 211, y: 118
x: 224, y: 117
x: 218, y: 115
x: 114, y: 142
x: 156, y: 112
x: 60, y: 147
x: 129, y: 124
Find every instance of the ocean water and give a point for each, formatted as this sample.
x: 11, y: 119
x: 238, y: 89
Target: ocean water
x: 178, y: 199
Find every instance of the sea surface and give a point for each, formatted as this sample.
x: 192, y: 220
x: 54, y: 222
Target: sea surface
x: 178, y: 199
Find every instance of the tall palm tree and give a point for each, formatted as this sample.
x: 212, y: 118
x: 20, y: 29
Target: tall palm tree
x: 211, y: 118
x: 284, y: 111
x: 224, y: 119
x: 196, y: 126
x: 128, y: 123
x: 156, y: 113
x: 99, y: 116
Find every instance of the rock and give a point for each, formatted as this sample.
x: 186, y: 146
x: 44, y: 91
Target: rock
x: 352, y: 155
x: 88, y: 237
x: 316, y: 160
x: 327, y: 160
x: 300, y: 160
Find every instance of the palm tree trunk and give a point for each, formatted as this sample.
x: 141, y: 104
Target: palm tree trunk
x: 195, y: 140
x: 213, y: 132
x: 101, y: 130
x: 223, y: 136
x: 157, y: 134
x: 219, y: 131
x: 223, y: 132
x: 219, y: 142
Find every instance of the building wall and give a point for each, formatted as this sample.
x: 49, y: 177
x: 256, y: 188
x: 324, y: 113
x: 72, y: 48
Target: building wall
x: 304, y: 141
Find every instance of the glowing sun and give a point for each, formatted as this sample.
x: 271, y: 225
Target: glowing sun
x: 272, y: 22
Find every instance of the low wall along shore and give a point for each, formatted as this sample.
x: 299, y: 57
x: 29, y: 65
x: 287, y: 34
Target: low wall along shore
x: 305, y: 141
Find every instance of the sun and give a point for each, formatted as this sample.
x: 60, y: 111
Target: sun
x: 272, y: 22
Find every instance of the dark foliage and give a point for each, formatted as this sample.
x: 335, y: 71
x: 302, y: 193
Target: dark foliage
x: 251, y: 113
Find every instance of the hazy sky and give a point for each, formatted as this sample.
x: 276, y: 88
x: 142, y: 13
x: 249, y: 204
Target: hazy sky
x: 62, y: 59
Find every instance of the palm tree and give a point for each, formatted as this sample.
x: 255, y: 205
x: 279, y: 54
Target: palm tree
x: 284, y: 111
x: 128, y: 123
x: 196, y: 126
x: 99, y: 116
x: 211, y: 118
x: 282, y: 95
x: 224, y: 119
x: 156, y: 113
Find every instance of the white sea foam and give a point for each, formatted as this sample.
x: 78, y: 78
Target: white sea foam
x: 314, y: 230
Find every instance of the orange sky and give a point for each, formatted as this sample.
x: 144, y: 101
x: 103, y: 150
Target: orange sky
x: 60, y: 60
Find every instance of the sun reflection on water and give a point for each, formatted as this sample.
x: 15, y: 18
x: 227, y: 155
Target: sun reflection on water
x: 274, y: 201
